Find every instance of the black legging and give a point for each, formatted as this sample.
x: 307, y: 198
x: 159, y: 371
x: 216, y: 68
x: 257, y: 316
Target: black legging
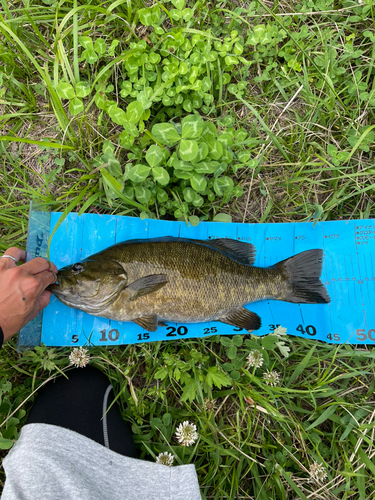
x: 79, y: 404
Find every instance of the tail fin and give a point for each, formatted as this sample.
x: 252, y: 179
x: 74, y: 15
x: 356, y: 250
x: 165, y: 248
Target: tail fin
x: 302, y: 278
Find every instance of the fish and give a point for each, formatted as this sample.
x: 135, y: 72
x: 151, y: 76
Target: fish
x: 159, y: 280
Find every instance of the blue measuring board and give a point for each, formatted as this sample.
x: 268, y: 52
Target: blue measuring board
x: 348, y: 274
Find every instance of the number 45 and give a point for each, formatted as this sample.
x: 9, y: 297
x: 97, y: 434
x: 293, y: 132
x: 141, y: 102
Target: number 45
x: 335, y: 336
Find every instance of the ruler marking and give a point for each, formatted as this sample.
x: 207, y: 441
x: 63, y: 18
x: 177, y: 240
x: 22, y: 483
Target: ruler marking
x: 359, y: 267
x: 364, y: 315
x: 347, y: 280
x: 333, y: 280
x: 373, y: 273
x: 353, y: 281
x: 302, y: 318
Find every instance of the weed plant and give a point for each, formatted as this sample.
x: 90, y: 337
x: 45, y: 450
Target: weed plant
x: 245, y: 111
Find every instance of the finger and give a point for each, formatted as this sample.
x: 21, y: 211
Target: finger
x: 45, y: 278
x: 15, y: 252
x: 38, y: 265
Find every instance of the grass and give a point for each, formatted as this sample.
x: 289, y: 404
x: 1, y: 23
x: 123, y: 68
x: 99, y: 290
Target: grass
x: 308, y: 108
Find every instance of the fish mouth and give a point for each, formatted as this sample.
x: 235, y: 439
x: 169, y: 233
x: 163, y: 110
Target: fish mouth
x: 56, y: 289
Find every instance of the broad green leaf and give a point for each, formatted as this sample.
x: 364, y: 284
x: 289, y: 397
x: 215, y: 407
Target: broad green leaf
x: 142, y: 194
x: 82, y: 89
x: 193, y: 74
x: 216, y: 150
x: 130, y: 128
x: 126, y: 88
x: 232, y: 352
x: 181, y: 174
x: 222, y: 218
x: 198, y: 201
x: 209, y: 132
x: 198, y: 182
x: 161, y: 175
x: 126, y: 140
x: 187, y: 14
x: 142, y: 97
x: 223, y: 185
x: 167, y: 101
x: 65, y: 90
x: 108, y: 147
x: 86, y: 42
x: 192, y: 127
x: 241, y: 135
x: 189, y: 390
x: 129, y: 192
x: 175, y: 14
x: 162, y: 196
x: 76, y: 106
x: 220, y: 168
x: 6, y: 444
x: 184, y: 68
x: 182, y: 165
x: 187, y: 105
x: 214, y: 377
x: 134, y: 112
x: 202, y: 152
x: 205, y: 167
x: 229, y: 60
x: 194, y: 220
x: 154, y: 58
x: 269, y: 342
x: 149, y: 16
x: 197, y: 102
x: 188, y: 150
x: 179, y: 4
x: 100, y: 100
x: 189, y: 194
x: 243, y: 156
x: 227, y: 156
x: 90, y: 55
x: 206, y: 85
x: 100, y: 46
x: 154, y: 155
x: 111, y: 50
x: 139, y: 173
x: 225, y: 139
x: 117, y: 114
x: 165, y: 133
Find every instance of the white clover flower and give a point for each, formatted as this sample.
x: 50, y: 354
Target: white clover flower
x: 79, y: 357
x: 271, y: 378
x: 255, y: 358
x: 186, y: 433
x: 279, y: 331
x: 317, y: 473
x: 165, y: 459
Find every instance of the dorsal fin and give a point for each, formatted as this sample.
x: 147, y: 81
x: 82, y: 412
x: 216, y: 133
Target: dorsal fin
x: 240, y: 251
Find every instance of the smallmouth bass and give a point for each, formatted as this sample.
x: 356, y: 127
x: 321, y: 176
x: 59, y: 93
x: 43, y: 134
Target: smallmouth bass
x: 186, y: 281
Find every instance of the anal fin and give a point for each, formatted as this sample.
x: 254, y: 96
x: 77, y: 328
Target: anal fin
x: 243, y: 318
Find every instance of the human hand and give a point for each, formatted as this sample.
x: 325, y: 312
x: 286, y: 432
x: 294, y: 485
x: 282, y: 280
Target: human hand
x: 22, y: 289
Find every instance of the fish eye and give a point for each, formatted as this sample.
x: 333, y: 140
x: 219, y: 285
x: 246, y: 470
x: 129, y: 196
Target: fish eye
x: 77, y: 268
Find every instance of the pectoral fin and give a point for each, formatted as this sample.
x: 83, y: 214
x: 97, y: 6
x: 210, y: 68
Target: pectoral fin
x: 146, y: 285
x: 243, y: 318
x: 149, y: 323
